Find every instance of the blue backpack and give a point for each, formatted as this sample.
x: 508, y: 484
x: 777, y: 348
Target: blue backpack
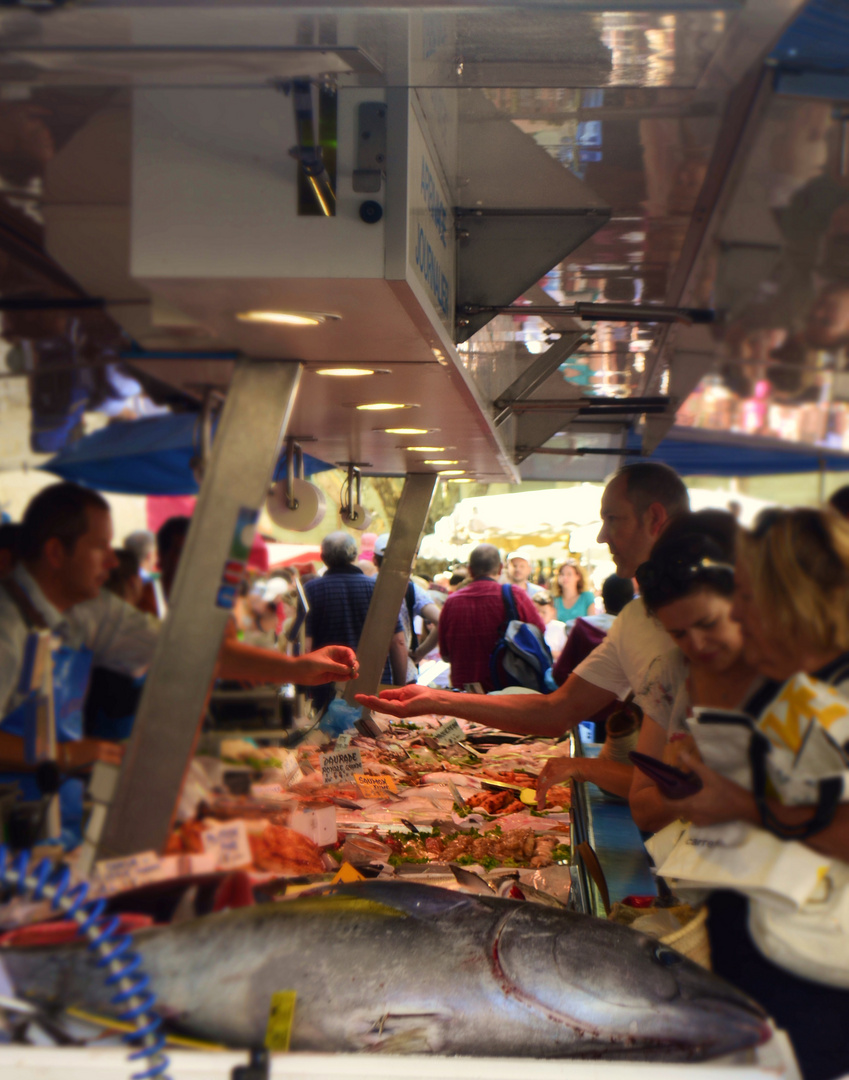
x: 521, y: 656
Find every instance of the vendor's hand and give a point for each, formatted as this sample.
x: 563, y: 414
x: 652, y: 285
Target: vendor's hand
x: 402, y: 703
x: 83, y: 752
x: 558, y: 770
x: 333, y: 663
x: 719, y: 800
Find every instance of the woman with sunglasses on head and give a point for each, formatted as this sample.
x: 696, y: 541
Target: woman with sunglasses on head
x: 572, y: 599
x: 688, y: 585
x: 792, y: 604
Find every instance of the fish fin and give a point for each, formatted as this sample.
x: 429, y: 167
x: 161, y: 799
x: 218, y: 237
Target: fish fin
x: 417, y: 901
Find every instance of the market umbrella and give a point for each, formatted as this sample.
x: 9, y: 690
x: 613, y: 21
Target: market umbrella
x: 145, y: 457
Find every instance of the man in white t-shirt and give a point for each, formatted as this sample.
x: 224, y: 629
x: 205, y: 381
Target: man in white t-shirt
x: 638, y: 503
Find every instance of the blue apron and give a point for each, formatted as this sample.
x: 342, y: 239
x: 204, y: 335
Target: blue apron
x: 71, y: 671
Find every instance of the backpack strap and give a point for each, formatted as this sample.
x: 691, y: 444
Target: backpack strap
x: 29, y: 613
x: 509, y: 604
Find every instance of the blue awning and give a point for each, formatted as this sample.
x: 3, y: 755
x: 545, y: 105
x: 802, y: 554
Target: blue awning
x: 145, y: 457
x: 697, y: 452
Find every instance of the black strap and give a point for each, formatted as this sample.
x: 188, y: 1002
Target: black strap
x: 410, y: 597
x: 29, y: 613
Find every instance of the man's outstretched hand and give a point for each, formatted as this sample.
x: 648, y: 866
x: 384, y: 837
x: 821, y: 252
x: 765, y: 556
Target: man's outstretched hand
x: 404, y: 702
x: 333, y: 663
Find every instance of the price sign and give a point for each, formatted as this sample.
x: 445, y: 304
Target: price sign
x: 281, y: 1016
x: 449, y: 733
x: 115, y: 875
x: 317, y: 825
x: 344, y: 740
x: 376, y: 787
x: 230, y: 845
x: 340, y: 765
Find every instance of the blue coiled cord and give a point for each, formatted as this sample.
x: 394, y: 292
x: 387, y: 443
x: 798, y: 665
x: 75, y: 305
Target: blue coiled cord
x: 114, y: 951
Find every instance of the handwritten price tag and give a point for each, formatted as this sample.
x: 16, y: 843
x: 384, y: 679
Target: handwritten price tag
x: 115, y: 875
x: 376, y: 787
x: 340, y: 765
x: 230, y: 845
x: 449, y: 733
x: 344, y: 740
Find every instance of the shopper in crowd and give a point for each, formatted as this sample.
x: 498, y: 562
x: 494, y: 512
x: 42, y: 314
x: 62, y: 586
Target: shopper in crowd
x: 518, y: 570
x: 839, y: 500
x: 142, y: 543
x: 416, y: 604
x: 555, y: 630
x: 572, y: 598
x: 686, y: 585
x: 125, y: 578
x: 338, y: 605
x: 472, y: 619
x: 792, y: 602
x: 65, y: 559
x: 637, y: 505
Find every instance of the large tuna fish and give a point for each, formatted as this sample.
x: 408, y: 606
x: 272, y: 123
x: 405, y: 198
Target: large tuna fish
x: 408, y: 968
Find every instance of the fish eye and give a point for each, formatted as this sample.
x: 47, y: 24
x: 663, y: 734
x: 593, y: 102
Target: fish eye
x: 666, y: 956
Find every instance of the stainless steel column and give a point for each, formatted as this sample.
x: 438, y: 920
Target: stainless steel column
x: 388, y: 595
x: 246, y: 449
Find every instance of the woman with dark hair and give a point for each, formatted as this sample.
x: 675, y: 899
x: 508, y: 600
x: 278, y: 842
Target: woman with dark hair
x: 688, y: 585
x: 572, y: 599
x: 792, y: 603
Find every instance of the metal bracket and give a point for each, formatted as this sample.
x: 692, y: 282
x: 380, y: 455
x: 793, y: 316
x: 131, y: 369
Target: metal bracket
x: 371, y: 147
x: 536, y: 373
x: 294, y: 454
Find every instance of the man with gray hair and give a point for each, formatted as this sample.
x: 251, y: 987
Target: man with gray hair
x: 339, y: 601
x: 472, y: 617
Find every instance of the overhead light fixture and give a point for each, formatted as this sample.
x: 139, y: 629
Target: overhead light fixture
x: 441, y: 461
x: 461, y: 480
x: 406, y: 430
x: 345, y: 372
x: 425, y: 449
x: 383, y: 406
x: 450, y: 472
x: 286, y: 318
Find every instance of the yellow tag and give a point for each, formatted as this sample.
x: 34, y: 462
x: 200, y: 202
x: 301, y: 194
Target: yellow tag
x: 278, y: 1034
x: 375, y: 787
x: 347, y: 875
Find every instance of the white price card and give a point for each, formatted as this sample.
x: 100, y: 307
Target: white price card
x: 340, y: 765
x: 230, y: 845
x: 115, y: 875
x: 344, y: 740
x: 449, y: 733
x: 317, y: 825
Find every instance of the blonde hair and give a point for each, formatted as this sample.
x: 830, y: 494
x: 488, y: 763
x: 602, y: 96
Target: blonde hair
x: 798, y: 562
x: 555, y: 581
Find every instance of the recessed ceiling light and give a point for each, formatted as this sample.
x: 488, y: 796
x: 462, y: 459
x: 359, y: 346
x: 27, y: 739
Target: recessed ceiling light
x: 383, y: 406
x: 441, y: 461
x: 461, y: 480
x: 450, y: 472
x: 425, y: 449
x: 345, y: 372
x: 406, y: 430
x: 286, y: 318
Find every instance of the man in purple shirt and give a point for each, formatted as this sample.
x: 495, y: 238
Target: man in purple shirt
x: 472, y: 619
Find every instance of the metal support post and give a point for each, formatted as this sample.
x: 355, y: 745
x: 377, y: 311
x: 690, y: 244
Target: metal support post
x: 246, y: 449
x: 388, y: 595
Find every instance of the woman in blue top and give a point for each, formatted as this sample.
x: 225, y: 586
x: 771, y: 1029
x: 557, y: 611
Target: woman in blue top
x: 572, y: 599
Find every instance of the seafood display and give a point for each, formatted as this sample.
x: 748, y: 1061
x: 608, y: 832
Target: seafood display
x: 492, y: 976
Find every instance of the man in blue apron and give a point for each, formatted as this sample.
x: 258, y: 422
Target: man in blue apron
x: 57, y: 585
x: 66, y: 556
